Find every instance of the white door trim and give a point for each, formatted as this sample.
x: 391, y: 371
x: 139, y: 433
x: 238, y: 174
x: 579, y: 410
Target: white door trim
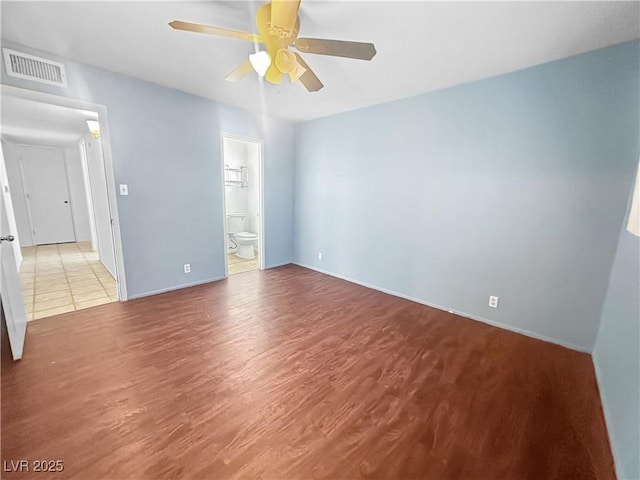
x: 108, y: 164
x: 260, y: 143
x: 82, y: 146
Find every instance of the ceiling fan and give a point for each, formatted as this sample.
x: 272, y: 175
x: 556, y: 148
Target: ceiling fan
x: 278, y: 26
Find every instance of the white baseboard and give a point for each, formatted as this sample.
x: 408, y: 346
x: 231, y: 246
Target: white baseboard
x: 177, y: 287
x: 511, y: 328
x: 277, y: 265
x: 193, y: 284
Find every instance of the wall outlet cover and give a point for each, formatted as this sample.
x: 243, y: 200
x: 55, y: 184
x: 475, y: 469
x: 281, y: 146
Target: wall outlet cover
x: 124, y: 189
x: 493, y: 302
x: 187, y: 268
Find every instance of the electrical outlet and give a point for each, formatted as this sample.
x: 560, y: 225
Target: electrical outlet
x: 124, y: 189
x: 187, y: 268
x: 320, y: 256
x: 493, y: 302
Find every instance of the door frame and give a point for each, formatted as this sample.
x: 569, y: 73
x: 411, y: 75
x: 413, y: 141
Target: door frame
x: 27, y: 190
x: 261, y: 242
x: 78, y: 104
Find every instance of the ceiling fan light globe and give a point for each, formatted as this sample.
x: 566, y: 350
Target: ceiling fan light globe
x: 260, y: 61
x: 285, y: 60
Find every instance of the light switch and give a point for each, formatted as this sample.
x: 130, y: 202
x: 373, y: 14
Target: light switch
x: 124, y: 190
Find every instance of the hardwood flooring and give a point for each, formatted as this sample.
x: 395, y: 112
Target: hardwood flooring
x: 287, y: 374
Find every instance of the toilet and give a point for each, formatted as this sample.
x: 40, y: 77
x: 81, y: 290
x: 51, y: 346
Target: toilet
x: 246, y: 242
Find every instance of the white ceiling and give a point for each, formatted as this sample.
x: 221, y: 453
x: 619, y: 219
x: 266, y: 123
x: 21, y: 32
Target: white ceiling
x: 422, y: 46
x: 26, y: 121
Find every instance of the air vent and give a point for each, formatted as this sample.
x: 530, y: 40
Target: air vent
x: 30, y: 67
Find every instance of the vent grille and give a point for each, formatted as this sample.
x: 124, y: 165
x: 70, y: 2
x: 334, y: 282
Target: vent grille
x: 30, y: 67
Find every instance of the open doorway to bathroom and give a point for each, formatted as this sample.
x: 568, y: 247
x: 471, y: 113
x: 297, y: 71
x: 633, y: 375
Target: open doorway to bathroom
x: 242, y: 181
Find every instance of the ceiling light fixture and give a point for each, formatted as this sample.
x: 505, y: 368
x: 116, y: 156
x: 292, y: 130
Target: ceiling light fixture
x: 94, y: 128
x: 260, y: 61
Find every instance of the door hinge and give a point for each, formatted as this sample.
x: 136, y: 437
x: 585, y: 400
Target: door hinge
x: 113, y: 222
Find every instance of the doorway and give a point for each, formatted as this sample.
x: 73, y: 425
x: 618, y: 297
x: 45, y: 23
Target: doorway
x: 58, y: 159
x: 242, y: 183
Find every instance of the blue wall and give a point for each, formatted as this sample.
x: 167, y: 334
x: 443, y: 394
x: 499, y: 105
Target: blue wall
x: 512, y: 186
x: 617, y: 356
x: 166, y: 147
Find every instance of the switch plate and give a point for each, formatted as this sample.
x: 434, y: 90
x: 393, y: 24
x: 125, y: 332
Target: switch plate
x: 187, y: 268
x: 493, y: 302
x: 320, y: 256
x: 124, y: 189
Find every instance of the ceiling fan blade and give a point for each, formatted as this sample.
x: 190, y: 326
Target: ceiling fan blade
x: 240, y: 72
x: 284, y: 14
x: 296, y: 73
x: 217, y: 31
x: 336, y: 48
x: 308, y: 78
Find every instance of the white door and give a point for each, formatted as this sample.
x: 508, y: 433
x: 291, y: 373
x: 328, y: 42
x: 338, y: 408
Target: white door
x: 47, y: 191
x: 10, y: 289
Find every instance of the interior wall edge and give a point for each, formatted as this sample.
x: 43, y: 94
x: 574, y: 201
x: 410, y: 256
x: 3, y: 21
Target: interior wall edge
x: 608, y: 419
x: 504, y: 326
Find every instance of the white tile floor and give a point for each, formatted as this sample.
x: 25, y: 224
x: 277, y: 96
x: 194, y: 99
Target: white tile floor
x: 236, y: 264
x: 62, y: 278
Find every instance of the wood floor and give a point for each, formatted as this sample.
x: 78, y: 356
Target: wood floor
x: 291, y: 374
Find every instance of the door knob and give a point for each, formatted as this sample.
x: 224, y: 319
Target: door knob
x: 8, y: 238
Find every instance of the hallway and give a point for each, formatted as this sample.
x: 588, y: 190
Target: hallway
x: 62, y: 278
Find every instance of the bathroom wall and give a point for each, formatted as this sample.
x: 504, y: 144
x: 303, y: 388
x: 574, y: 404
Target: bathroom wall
x: 513, y: 186
x: 244, y: 200
x: 235, y: 155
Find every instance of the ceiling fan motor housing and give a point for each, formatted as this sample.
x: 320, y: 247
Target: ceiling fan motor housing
x: 278, y: 26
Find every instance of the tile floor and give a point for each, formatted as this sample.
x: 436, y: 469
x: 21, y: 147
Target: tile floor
x: 62, y: 278
x: 238, y: 265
